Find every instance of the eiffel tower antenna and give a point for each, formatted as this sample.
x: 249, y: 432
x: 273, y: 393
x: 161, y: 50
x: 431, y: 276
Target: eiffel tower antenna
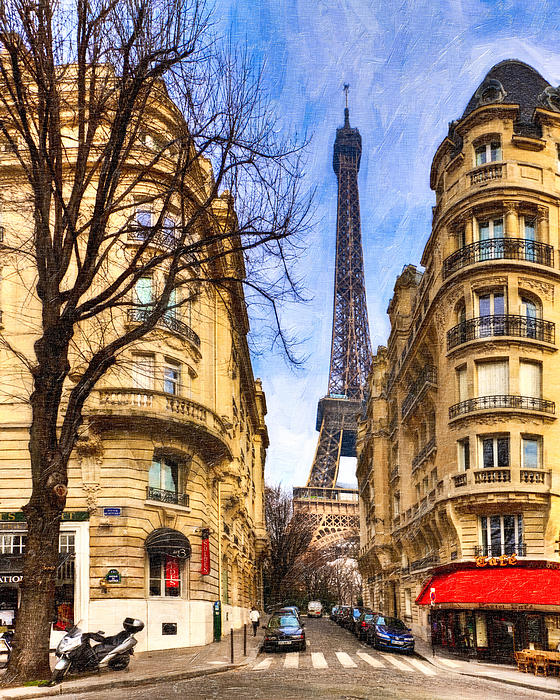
x: 336, y: 508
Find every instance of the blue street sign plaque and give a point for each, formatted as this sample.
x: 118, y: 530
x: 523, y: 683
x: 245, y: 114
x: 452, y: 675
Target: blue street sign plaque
x: 113, y: 511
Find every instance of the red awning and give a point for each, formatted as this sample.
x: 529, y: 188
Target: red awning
x: 523, y: 586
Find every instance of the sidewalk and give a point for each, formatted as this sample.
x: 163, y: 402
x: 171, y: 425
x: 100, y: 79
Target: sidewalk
x: 478, y: 669
x: 148, y: 666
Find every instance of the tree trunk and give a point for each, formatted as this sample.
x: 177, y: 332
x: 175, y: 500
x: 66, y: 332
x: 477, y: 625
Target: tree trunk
x: 30, y: 656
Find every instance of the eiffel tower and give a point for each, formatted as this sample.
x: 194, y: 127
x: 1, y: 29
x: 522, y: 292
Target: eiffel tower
x: 336, y: 508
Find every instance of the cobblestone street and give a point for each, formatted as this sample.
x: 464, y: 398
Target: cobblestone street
x: 335, y: 665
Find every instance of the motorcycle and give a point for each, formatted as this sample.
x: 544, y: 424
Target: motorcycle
x: 74, y: 651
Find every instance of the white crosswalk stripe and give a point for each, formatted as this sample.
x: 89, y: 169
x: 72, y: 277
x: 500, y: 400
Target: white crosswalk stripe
x: 264, y: 664
x: 396, y: 662
x: 318, y: 660
x: 369, y: 659
x: 426, y: 670
x: 291, y: 660
x: 345, y: 660
x: 448, y: 662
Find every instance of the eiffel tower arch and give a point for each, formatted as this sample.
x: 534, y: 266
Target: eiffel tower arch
x: 336, y: 508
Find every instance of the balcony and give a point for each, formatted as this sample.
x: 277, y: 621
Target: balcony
x: 394, y: 473
x: 160, y: 413
x: 499, y: 249
x: 424, y: 563
x: 487, y: 550
x: 163, y: 496
x: 164, y: 238
x: 486, y: 173
x: 501, y: 325
x: 501, y: 401
x: 426, y: 379
x: 493, y: 479
x: 167, y: 321
x: 319, y: 493
x: 424, y: 453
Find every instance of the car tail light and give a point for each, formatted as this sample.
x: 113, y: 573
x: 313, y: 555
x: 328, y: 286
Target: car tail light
x: 364, y: 624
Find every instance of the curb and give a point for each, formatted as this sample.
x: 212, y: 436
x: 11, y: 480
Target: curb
x: 62, y: 689
x: 507, y: 681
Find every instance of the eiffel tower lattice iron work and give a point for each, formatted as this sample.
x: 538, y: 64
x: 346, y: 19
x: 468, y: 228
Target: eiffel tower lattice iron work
x: 336, y: 508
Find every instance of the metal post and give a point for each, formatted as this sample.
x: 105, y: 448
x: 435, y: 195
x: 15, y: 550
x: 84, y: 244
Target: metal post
x: 231, y: 643
x: 245, y: 639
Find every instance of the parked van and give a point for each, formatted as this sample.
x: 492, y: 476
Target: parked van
x: 314, y: 608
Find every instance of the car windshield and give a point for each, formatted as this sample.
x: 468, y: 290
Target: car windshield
x: 283, y: 621
x: 367, y: 616
x: 392, y: 622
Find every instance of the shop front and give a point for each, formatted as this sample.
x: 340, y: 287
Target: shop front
x: 71, y: 574
x: 491, y: 611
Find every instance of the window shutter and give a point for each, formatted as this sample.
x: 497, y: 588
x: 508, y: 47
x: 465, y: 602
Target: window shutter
x: 530, y: 380
x: 492, y: 378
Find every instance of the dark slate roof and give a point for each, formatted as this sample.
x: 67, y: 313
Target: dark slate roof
x: 521, y: 83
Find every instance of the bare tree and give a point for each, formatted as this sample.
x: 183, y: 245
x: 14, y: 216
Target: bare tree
x: 106, y: 106
x: 290, y: 535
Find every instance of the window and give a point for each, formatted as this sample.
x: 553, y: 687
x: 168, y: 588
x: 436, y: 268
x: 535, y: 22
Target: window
x: 530, y: 310
x: 143, y: 297
x: 165, y: 576
x: 418, y: 492
x: 171, y: 310
x: 425, y: 485
x: 462, y: 392
x: 171, y: 377
x: 463, y: 455
x: 169, y: 231
x: 491, y: 309
x: 493, y: 378
x: 67, y: 542
x: 495, y: 451
x: 143, y: 222
x: 163, y: 476
x: 501, y: 534
x: 530, y: 379
x: 396, y: 505
x: 407, y: 602
x: 12, y: 544
x: 531, y: 452
x: 143, y: 372
x: 528, y: 232
x: 488, y: 152
x: 491, y: 239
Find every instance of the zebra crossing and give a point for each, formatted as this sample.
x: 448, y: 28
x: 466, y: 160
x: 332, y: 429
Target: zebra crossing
x: 317, y: 660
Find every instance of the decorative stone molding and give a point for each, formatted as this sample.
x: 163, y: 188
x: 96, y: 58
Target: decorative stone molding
x: 92, y: 492
x: 544, y: 288
x: 488, y: 282
x: 89, y: 451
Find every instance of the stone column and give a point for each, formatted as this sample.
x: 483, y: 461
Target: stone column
x: 469, y: 225
x: 511, y: 227
x: 543, y: 226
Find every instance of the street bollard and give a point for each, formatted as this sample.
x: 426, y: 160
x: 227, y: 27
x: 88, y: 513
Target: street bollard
x: 231, y: 644
x: 245, y: 639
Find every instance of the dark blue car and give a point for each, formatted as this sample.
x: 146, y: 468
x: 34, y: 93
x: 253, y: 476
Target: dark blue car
x: 390, y: 633
x: 284, y: 631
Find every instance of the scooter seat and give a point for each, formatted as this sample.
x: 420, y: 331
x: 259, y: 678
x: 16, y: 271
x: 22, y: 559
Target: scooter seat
x: 110, y: 643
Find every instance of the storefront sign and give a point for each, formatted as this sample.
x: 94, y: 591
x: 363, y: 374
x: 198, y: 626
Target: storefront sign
x: 503, y: 560
x: 171, y: 573
x: 74, y: 516
x: 15, y: 578
x: 205, y: 552
x: 112, y: 512
x: 113, y: 576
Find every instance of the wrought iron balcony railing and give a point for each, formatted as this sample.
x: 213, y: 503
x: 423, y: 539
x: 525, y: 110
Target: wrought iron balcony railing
x: 164, y: 238
x: 429, y: 447
x: 507, y: 401
x: 163, y: 496
x: 423, y: 563
x: 496, y: 550
x: 168, y: 321
x: 498, y: 325
x: 426, y: 378
x: 499, y: 249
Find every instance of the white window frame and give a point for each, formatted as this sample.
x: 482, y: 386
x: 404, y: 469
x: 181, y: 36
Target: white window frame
x: 518, y: 535
x: 485, y: 149
x: 183, y: 578
x: 463, y: 448
x: 143, y: 371
x: 494, y: 438
x: 169, y: 367
x: 532, y: 438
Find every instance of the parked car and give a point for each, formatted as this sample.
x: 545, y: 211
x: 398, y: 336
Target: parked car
x: 363, y: 623
x: 334, y: 610
x: 342, y: 613
x: 288, y: 610
x: 314, y: 608
x: 355, y: 613
x: 390, y: 633
x: 284, y: 631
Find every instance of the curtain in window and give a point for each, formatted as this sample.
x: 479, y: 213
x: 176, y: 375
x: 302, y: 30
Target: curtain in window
x: 530, y: 383
x: 143, y: 372
x: 462, y: 384
x: 492, y: 378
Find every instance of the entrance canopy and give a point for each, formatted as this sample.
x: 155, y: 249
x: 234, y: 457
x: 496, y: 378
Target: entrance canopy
x: 519, y: 586
x: 170, y: 542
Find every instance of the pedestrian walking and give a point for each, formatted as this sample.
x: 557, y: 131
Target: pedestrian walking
x: 254, y: 616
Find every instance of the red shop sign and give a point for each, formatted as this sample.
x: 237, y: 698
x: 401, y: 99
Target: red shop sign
x: 171, y: 572
x: 205, y: 556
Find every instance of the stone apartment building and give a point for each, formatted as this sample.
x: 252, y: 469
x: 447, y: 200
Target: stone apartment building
x: 458, y: 453
x: 164, y: 514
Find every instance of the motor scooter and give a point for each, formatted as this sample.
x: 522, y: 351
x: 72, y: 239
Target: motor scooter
x: 75, y: 653
x: 5, y: 648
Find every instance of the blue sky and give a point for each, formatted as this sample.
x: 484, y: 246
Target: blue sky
x: 412, y: 66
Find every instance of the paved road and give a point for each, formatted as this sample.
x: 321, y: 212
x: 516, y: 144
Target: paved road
x: 334, y: 666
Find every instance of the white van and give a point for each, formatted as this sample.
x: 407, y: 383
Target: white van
x: 314, y: 608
